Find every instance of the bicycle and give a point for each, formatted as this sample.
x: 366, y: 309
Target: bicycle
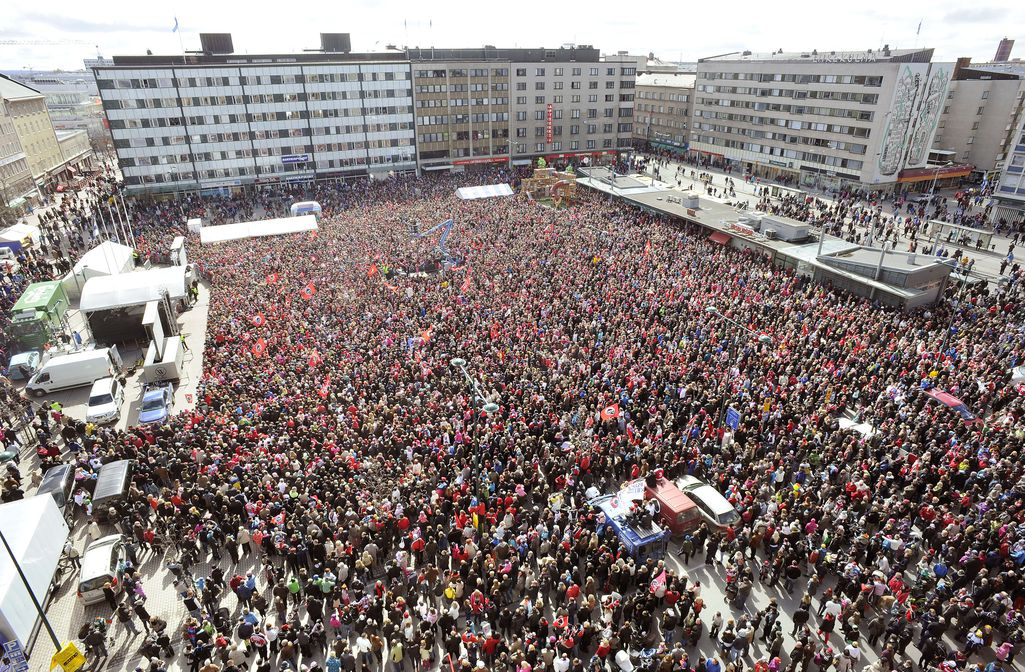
x: 64, y: 567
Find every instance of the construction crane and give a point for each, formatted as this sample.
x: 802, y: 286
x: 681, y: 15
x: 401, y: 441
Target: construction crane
x: 38, y: 42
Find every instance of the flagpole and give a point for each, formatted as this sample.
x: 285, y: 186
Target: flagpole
x: 128, y: 218
x: 177, y: 29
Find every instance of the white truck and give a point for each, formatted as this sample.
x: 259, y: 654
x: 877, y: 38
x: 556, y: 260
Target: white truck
x: 74, y: 370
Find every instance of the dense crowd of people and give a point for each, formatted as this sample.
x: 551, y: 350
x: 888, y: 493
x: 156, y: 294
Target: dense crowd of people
x: 340, y: 499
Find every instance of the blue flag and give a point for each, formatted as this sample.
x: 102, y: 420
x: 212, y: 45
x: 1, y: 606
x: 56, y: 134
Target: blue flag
x: 175, y: 29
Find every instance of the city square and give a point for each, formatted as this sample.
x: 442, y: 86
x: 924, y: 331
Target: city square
x: 304, y: 375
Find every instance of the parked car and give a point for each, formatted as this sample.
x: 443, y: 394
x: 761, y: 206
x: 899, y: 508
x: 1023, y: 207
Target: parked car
x: 157, y: 401
x: 103, y: 562
x: 105, y: 400
x: 23, y: 365
x: 715, y: 508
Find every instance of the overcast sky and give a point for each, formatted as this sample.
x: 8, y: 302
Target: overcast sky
x: 673, y: 30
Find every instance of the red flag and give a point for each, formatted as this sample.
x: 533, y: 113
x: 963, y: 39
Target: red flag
x: 426, y: 334
x: 393, y: 288
x: 495, y: 331
x: 259, y: 349
x: 272, y: 278
x: 325, y: 388
x: 308, y: 291
x: 466, y: 283
x: 658, y: 582
x: 258, y: 320
x: 372, y: 271
x: 550, y: 229
x: 647, y: 249
x: 501, y: 356
x: 610, y: 412
x: 315, y: 359
x: 313, y: 235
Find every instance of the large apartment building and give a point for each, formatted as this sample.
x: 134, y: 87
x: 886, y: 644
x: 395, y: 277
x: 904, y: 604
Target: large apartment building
x: 821, y: 119
x: 26, y: 109
x: 216, y: 119
x: 977, y: 122
x: 1009, y: 191
x: 493, y: 105
x: 662, y: 111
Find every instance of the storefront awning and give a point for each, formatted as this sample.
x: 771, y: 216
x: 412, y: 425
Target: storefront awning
x: 720, y: 237
x: 912, y: 175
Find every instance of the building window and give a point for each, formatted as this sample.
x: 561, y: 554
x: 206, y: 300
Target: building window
x: 576, y: 72
x: 982, y: 108
x: 539, y: 147
x: 970, y: 140
x: 985, y: 95
x: 593, y: 72
x: 539, y: 100
x: 521, y: 72
x: 558, y: 72
x: 521, y: 116
x: 539, y: 72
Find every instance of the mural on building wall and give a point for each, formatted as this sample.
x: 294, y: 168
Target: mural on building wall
x: 928, y: 116
x: 894, y: 138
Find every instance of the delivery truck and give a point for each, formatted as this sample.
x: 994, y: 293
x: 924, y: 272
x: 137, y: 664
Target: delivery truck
x: 38, y: 316
x: 74, y: 370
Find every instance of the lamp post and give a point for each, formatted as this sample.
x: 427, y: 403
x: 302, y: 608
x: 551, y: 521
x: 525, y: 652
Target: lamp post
x: 935, y: 176
x: 763, y: 339
x: 488, y: 407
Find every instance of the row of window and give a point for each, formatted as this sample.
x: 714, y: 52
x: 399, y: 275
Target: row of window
x: 793, y: 124
x: 859, y: 115
x: 660, y: 109
x: 255, y: 99
x: 858, y: 80
x: 461, y: 72
x: 189, y: 176
x: 796, y: 94
x: 816, y: 141
x: 249, y: 80
x: 460, y: 102
x: 808, y: 157
x: 460, y: 88
x: 249, y: 153
x: 662, y: 122
x: 518, y: 148
x: 442, y: 119
x: 170, y: 122
x: 662, y: 95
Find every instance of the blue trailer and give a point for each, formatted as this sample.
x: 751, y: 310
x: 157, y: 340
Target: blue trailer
x: 642, y: 536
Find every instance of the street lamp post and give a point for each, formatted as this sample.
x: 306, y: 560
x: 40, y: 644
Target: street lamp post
x: 763, y: 339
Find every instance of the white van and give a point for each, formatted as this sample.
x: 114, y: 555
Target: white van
x: 105, y: 400
x: 74, y: 370
x: 103, y: 562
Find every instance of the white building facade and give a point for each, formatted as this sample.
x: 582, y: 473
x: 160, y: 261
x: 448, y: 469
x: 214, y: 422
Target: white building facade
x: 219, y: 121
x: 820, y: 119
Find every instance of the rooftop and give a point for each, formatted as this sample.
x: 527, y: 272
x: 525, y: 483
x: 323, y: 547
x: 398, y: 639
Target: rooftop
x: 12, y: 90
x: 815, y: 56
x: 1014, y: 69
x: 583, y: 53
x: 188, y: 60
x: 668, y: 79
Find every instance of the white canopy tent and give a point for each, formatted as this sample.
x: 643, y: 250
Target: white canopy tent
x: 19, y: 232
x: 35, y: 530
x: 133, y: 289
x: 209, y: 235
x: 107, y: 258
x: 484, y: 191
